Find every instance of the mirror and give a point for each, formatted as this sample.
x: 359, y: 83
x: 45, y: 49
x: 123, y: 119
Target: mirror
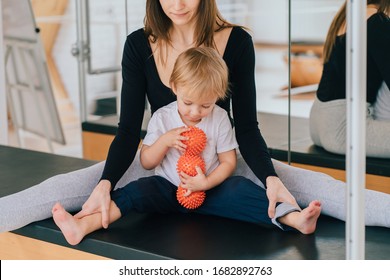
x: 310, y: 21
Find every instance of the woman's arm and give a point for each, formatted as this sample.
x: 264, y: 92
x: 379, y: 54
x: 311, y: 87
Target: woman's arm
x: 252, y: 145
x: 243, y: 90
x: 125, y: 144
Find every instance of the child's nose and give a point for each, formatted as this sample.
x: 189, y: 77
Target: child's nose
x: 195, y: 111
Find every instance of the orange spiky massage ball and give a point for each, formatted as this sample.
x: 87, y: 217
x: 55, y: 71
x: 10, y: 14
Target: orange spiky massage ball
x: 196, y: 140
x: 195, y: 143
x: 187, y: 164
x: 193, y: 201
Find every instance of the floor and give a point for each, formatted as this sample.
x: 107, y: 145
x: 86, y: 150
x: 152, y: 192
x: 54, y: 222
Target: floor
x: 271, y: 80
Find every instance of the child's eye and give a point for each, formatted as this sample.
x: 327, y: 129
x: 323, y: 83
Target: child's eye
x: 187, y: 103
x: 206, y: 107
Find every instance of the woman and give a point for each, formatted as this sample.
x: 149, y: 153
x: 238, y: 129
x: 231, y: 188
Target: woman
x: 328, y: 114
x: 148, y: 58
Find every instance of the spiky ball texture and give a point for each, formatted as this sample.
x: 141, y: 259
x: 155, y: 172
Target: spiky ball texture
x: 193, y: 201
x: 187, y: 164
x: 196, y: 140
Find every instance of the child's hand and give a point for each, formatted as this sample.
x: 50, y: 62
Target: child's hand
x: 196, y: 183
x: 173, y: 138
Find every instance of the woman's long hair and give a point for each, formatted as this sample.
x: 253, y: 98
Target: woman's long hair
x: 157, y: 24
x: 339, y: 21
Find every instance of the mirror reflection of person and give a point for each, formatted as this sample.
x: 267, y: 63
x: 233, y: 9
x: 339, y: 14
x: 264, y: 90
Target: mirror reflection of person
x: 328, y: 114
x: 172, y: 27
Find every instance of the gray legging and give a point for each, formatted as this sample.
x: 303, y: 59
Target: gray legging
x: 382, y: 104
x: 328, y: 123
x: 72, y: 190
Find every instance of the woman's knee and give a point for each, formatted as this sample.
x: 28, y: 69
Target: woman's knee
x: 134, y: 172
x: 243, y: 170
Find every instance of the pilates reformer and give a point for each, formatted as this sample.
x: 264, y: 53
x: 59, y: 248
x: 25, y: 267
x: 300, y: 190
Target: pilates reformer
x: 176, y: 236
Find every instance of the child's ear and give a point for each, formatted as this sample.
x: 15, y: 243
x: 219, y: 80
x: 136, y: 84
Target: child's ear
x: 173, y: 88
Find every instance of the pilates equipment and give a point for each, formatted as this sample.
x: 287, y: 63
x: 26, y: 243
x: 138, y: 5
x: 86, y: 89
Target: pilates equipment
x: 192, y: 201
x: 187, y: 164
x: 196, y: 140
x: 29, y: 91
x: 135, y: 236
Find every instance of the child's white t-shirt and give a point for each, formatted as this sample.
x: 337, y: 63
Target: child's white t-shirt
x: 218, y: 129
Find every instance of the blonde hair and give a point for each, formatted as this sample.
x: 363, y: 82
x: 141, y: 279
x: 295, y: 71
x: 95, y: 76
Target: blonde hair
x: 339, y: 21
x: 202, y: 72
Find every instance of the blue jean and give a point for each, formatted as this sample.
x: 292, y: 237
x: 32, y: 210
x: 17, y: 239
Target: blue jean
x: 236, y: 198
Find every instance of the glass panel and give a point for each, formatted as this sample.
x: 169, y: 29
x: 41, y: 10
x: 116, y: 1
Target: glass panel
x: 310, y: 21
x: 268, y: 24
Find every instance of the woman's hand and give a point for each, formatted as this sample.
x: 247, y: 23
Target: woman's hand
x: 98, y: 202
x: 277, y: 192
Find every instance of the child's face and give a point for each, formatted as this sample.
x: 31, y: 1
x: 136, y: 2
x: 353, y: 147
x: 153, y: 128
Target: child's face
x: 192, y: 110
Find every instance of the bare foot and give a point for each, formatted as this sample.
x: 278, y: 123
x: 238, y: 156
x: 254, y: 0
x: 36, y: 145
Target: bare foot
x: 307, y: 218
x: 67, y: 224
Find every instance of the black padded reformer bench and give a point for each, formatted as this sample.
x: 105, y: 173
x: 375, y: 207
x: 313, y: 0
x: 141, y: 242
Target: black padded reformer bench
x: 178, y: 236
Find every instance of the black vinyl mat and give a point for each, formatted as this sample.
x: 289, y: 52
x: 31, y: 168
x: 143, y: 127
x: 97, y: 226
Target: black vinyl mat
x: 180, y: 236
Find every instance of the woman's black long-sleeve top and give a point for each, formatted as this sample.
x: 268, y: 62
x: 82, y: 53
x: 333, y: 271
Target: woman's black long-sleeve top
x: 333, y: 81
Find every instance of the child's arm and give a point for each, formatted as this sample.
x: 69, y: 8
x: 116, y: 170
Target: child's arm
x: 152, y: 155
x: 227, y: 164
